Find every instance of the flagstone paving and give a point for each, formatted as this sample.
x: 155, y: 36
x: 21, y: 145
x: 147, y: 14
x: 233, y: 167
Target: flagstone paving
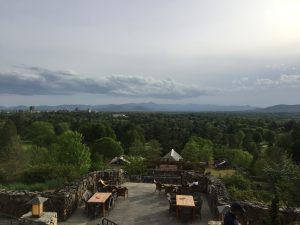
x: 143, y: 207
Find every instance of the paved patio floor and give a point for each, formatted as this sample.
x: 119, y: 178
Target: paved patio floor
x: 142, y: 207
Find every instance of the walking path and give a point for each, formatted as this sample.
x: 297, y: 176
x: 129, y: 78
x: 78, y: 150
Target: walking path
x: 143, y: 207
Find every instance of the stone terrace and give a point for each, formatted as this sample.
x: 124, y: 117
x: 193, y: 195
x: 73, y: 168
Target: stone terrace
x: 142, y: 207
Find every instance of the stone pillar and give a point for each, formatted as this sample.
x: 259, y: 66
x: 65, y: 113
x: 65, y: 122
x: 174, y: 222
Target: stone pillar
x: 48, y: 218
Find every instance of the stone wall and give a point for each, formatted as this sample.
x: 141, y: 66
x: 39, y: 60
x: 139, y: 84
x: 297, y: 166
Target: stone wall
x: 48, y: 218
x: 255, y: 214
x: 217, y: 195
x: 63, y: 201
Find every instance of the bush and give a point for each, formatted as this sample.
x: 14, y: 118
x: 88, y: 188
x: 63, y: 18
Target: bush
x: 51, y: 184
x: 2, y: 175
x: 237, y: 181
x: 239, y: 158
x: 98, y: 163
x: 137, y: 166
x: 197, y: 166
x: 67, y: 172
x: 40, y: 173
x: 239, y: 194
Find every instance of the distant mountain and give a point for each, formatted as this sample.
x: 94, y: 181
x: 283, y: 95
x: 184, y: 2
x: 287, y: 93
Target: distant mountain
x: 281, y: 109
x: 138, y: 107
x: 153, y: 107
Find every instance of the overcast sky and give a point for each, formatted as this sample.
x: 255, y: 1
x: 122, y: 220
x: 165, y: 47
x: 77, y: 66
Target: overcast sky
x: 231, y: 52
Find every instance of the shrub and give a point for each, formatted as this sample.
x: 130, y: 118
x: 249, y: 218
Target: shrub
x: 137, y: 166
x: 239, y: 194
x: 98, y: 163
x: 39, y: 173
x: 67, y: 172
x: 237, y: 181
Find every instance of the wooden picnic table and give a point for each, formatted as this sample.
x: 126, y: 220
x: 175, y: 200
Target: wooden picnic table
x: 100, y: 198
x: 185, y: 201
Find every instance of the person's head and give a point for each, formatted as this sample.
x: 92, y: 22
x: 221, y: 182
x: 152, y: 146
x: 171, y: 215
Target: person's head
x: 237, y: 209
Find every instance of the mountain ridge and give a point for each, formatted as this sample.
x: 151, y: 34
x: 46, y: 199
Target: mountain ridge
x: 154, y: 107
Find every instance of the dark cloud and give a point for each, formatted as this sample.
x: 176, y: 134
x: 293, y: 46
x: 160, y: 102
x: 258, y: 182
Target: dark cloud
x: 40, y: 81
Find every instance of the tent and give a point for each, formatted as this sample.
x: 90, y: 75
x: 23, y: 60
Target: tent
x: 119, y: 160
x: 172, y: 156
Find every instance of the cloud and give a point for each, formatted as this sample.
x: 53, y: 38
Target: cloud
x: 283, y: 81
x: 40, y: 81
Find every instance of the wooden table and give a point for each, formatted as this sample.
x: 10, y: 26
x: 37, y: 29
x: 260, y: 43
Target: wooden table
x: 185, y: 201
x: 101, y: 198
x: 212, y: 222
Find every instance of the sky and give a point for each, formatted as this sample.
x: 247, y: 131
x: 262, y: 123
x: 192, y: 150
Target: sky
x: 229, y: 52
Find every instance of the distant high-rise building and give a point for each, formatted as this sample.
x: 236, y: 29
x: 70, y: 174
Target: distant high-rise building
x: 31, y: 108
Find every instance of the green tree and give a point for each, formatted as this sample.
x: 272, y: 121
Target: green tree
x: 198, y: 149
x: 269, y: 136
x: 152, y: 153
x: 258, y: 166
x: 257, y: 138
x: 137, y: 166
x: 8, y: 137
x: 98, y: 162
x: 239, y: 158
x: 153, y: 150
x: 41, y: 133
x: 295, y: 146
x: 137, y: 148
x: 38, y: 155
x: 94, y: 131
x: 214, y: 133
x: 274, y: 218
x: 107, y: 147
x: 69, y: 150
x: 131, y: 136
x: 281, y: 175
x: 284, y: 140
x: 250, y: 145
x: 61, y: 127
x: 240, y: 135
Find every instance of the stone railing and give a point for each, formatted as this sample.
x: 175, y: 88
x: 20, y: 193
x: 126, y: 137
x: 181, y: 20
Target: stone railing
x: 217, y: 195
x: 63, y: 201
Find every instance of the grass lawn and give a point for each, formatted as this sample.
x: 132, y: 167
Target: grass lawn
x: 220, y: 173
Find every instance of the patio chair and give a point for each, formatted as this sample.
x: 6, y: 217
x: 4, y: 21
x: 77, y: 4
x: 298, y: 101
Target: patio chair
x: 86, y: 207
x: 195, y: 188
x: 158, y: 186
x: 122, y: 191
x: 198, y: 205
x: 106, y: 221
x: 186, y: 214
x: 101, y: 185
x: 94, y: 210
x: 169, y: 189
x: 197, y: 196
x: 110, y: 204
x: 185, y: 191
x: 111, y: 188
x: 115, y: 195
x: 172, y: 206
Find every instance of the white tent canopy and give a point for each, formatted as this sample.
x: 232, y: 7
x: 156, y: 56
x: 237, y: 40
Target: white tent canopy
x: 172, y: 156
